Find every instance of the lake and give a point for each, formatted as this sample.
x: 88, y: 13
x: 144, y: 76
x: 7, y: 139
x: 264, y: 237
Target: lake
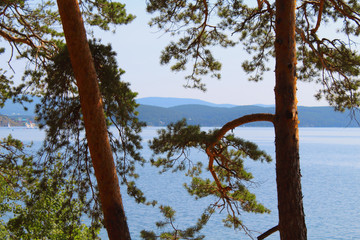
x: 330, y: 166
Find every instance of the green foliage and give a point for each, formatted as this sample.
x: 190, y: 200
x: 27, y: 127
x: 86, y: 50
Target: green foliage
x: 193, y: 18
x: 191, y: 233
x: 205, y: 24
x: 32, y: 30
x: 227, y: 187
x: 199, y: 26
x: 32, y: 27
x: 102, y: 13
x: 36, y: 203
x: 30, y: 24
x: 5, y: 88
x: 61, y: 117
x: 16, y: 168
x: 333, y: 62
x: 63, y: 177
x: 8, y: 90
x: 174, y: 141
x: 51, y: 211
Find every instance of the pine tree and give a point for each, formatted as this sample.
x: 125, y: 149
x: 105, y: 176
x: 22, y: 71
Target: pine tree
x: 31, y: 29
x: 282, y: 29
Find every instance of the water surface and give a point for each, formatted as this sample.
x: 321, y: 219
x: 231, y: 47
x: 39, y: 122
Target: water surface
x: 330, y: 168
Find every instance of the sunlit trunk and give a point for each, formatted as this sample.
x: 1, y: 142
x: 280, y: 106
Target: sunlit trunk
x: 94, y: 119
x: 288, y: 177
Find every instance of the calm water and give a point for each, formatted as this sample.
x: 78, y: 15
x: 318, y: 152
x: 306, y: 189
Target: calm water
x: 331, y: 175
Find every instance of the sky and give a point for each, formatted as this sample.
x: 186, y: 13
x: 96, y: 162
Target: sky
x: 138, y: 49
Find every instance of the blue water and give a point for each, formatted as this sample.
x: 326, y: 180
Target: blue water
x: 330, y: 166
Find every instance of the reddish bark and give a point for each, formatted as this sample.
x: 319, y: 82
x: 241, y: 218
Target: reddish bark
x: 227, y: 127
x: 291, y: 214
x: 94, y: 119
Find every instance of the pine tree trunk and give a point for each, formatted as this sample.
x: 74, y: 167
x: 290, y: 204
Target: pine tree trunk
x: 94, y: 119
x: 291, y: 214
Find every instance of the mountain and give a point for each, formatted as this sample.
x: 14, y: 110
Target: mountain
x: 216, y: 116
x: 162, y: 111
x: 167, y: 102
x: 6, y: 121
x: 11, y: 108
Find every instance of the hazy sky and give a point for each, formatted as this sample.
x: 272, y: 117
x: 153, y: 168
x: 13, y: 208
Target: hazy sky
x: 138, y: 50
x: 139, y: 47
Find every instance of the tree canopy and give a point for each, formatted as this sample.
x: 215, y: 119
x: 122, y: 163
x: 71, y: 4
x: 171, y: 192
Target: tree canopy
x: 224, y: 180
x: 31, y: 28
x: 64, y: 170
x: 65, y: 147
x: 328, y: 57
x: 290, y: 32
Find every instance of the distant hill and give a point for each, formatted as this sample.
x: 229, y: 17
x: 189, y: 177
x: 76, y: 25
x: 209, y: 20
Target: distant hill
x: 6, y: 121
x: 167, y: 102
x: 162, y: 111
x: 216, y: 116
x: 11, y: 108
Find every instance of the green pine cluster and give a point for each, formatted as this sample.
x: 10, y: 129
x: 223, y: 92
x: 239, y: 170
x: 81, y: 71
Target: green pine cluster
x: 172, y: 150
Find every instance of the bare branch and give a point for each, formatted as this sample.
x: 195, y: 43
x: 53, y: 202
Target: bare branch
x: 321, y: 8
x: 10, y: 38
x: 211, y: 152
x: 268, y: 232
x: 346, y: 11
x: 259, y: 117
x: 260, y: 4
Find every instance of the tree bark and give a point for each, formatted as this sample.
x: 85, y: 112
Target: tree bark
x: 94, y: 119
x: 288, y: 177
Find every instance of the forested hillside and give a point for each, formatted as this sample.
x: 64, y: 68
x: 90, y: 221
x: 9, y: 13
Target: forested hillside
x: 216, y: 116
x: 206, y: 114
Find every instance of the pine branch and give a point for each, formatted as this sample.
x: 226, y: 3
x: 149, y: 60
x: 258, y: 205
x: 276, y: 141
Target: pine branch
x: 212, y: 153
x: 321, y: 8
x: 268, y: 232
x: 258, y: 117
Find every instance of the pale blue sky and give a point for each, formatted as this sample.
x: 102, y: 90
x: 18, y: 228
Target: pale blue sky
x: 138, y: 50
x: 139, y: 46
